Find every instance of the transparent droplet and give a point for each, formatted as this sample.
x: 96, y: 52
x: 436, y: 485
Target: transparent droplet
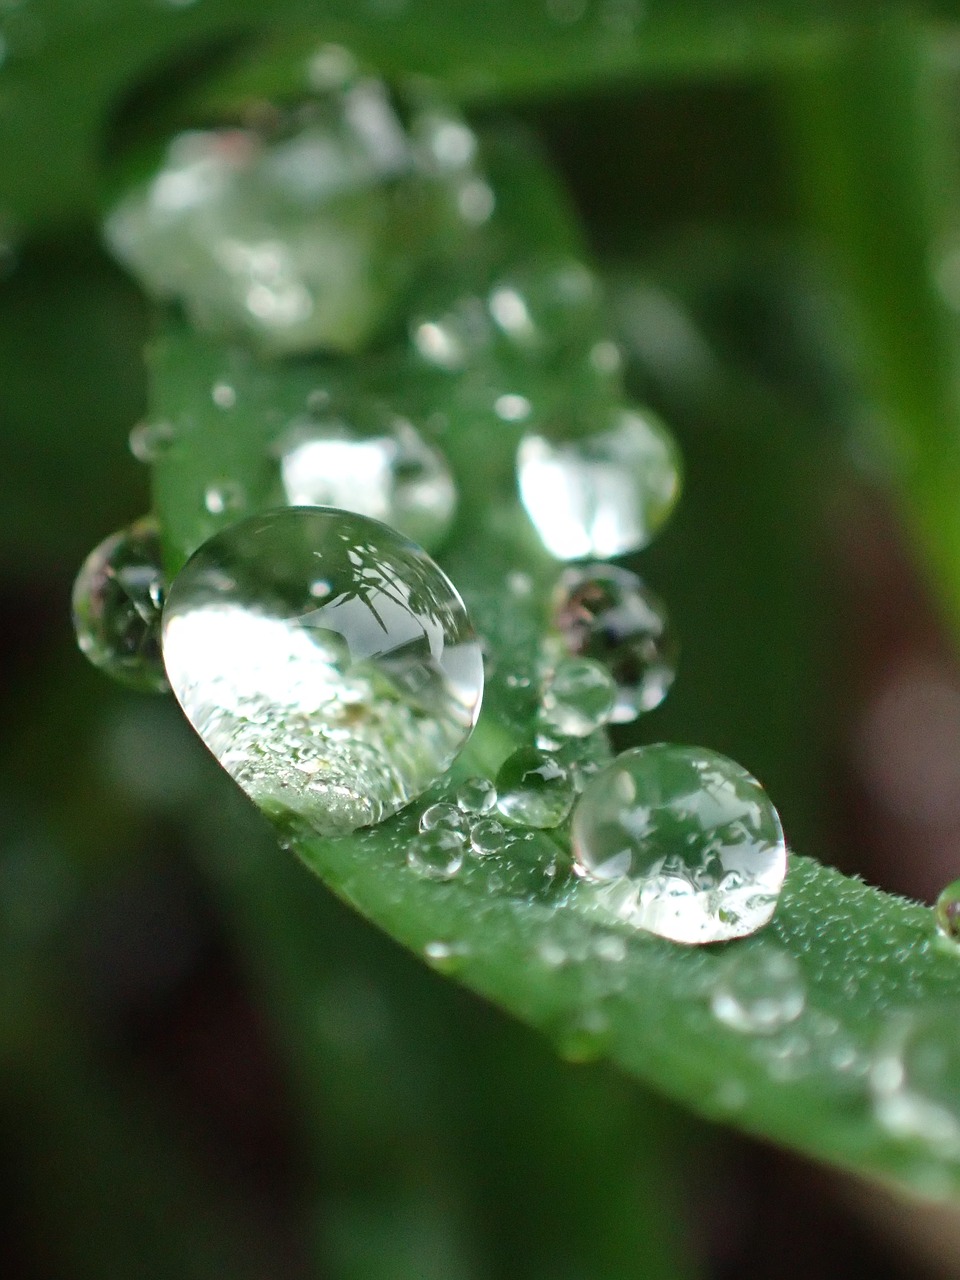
x: 117, y: 599
x: 476, y: 795
x: 606, y: 613
x: 685, y: 842
x: 487, y: 835
x: 444, y: 816
x: 578, y: 698
x: 150, y: 441
x: 602, y: 495
x: 534, y: 789
x: 224, y: 497
x: 759, y: 990
x: 339, y: 709
x: 947, y: 912
x: 447, y: 957
x: 223, y: 395
x: 375, y: 464
x: 436, y: 854
x: 915, y: 1078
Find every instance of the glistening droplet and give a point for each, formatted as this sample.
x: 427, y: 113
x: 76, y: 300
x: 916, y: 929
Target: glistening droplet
x: 117, y: 599
x: 684, y: 841
x: 340, y: 709
x: 759, y: 990
x: 607, y: 613
x: 534, y: 789
x: 601, y: 495
x: 577, y: 699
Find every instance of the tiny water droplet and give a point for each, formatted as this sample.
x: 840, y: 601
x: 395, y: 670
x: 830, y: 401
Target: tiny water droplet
x: 759, y: 990
x: 340, y: 710
x: 947, y: 913
x: 915, y: 1079
x: 436, y: 854
x: 224, y: 497
x: 533, y: 789
x: 223, y: 395
x: 446, y: 957
x: 577, y: 699
x: 445, y: 816
x: 607, y: 613
x: 512, y: 408
x: 116, y: 607
x: 601, y: 495
x: 151, y: 441
x: 487, y: 836
x: 359, y: 458
x: 476, y: 795
x: 684, y: 843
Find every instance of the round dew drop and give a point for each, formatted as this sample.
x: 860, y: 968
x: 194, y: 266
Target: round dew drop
x: 578, y: 698
x: 760, y: 990
x: 601, y: 495
x: 339, y: 706
x: 476, y: 795
x: 117, y: 599
x: 487, y: 836
x: 534, y: 789
x: 947, y: 913
x: 437, y: 854
x: 607, y: 614
x: 681, y: 842
x: 445, y: 817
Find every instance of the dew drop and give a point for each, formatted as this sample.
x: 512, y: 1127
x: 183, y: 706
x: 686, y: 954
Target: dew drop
x: 376, y: 464
x: 684, y: 843
x: 915, y: 1079
x: 446, y: 817
x: 341, y: 709
x: 476, y: 795
x: 223, y: 395
x: 534, y: 789
x: 947, y: 913
x: 607, y: 614
x: 759, y: 990
x: 487, y: 835
x: 602, y: 495
x: 577, y: 699
x: 436, y: 854
x: 151, y: 441
x: 446, y: 957
x: 117, y: 599
x: 224, y: 497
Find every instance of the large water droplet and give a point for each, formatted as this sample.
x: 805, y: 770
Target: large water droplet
x: 607, y: 614
x: 117, y: 599
x: 534, y: 789
x: 372, y: 463
x: 686, y: 841
x: 577, y: 699
x: 339, y: 705
x: 947, y: 913
x: 601, y: 495
x: 915, y: 1079
x: 759, y: 990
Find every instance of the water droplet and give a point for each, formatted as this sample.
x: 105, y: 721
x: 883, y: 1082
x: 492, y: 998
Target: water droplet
x: 577, y: 699
x: 760, y: 989
x: 444, y: 816
x: 512, y: 408
x: 436, y: 854
x: 360, y: 459
x: 447, y: 957
x: 342, y: 709
x: 686, y: 840
x: 534, y: 789
x: 487, y: 836
x: 224, y: 497
x: 476, y: 795
x: 223, y: 395
x: 607, y: 614
x: 947, y: 913
x: 915, y: 1079
x: 602, y: 495
x: 150, y: 441
x: 117, y: 599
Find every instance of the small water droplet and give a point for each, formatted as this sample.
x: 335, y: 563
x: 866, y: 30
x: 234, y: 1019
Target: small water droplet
x: 378, y: 684
x: 224, y: 395
x: 116, y: 607
x: 436, y: 854
x: 476, y: 795
x: 759, y: 990
x: 607, y: 613
x: 223, y: 497
x: 601, y: 495
x: 151, y: 441
x: 577, y: 699
x: 447, y: 957
x: 687, y: 841
x: 915, y: 1079
x: 487, y: 836
x: 512, y: 408
x: 445, y: 816
x: 359, y: 458
x: 533, y: 789
x: 947, y: 913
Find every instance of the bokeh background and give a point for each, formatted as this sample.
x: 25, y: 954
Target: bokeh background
x: 210, y: 1068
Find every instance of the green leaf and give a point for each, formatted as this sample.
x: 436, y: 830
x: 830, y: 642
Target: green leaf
x: 543, y: 951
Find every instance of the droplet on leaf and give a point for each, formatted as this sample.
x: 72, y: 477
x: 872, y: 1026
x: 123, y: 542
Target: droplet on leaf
x: 534, y: 789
